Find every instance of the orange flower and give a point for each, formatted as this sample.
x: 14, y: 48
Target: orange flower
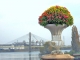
x: 59, y: 12
x: 57, y: 6
x: 44, y: 14
x: 40, y: 16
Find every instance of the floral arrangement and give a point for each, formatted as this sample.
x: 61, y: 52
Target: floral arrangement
x: 56, y: 15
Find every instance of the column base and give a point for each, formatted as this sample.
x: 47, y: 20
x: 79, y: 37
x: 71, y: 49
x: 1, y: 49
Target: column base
x: 57, y: 57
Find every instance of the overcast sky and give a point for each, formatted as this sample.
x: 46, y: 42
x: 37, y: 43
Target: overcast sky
x: 19, y: 17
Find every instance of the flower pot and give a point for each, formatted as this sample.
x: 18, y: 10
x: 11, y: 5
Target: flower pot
x: 56, y: 33
x: 56, y: 30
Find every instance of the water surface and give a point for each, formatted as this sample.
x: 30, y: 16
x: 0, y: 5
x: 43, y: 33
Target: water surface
x: 19, y: 56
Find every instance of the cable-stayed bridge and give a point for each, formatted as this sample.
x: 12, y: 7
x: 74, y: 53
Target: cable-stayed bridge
x: 27, y: 42
x: 34, y: 39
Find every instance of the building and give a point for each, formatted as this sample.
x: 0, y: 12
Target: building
x: 19, y: 46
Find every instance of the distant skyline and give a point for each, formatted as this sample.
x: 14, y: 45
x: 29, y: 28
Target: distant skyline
x: 19, y: 17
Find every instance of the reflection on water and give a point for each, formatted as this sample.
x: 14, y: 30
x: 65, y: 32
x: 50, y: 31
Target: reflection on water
x: 29, y: 56
x: 19, y: 56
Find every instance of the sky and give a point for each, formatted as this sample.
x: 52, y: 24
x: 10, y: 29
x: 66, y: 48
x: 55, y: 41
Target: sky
x: 19, y: 17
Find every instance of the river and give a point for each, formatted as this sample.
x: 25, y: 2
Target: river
x: 20, y: 55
